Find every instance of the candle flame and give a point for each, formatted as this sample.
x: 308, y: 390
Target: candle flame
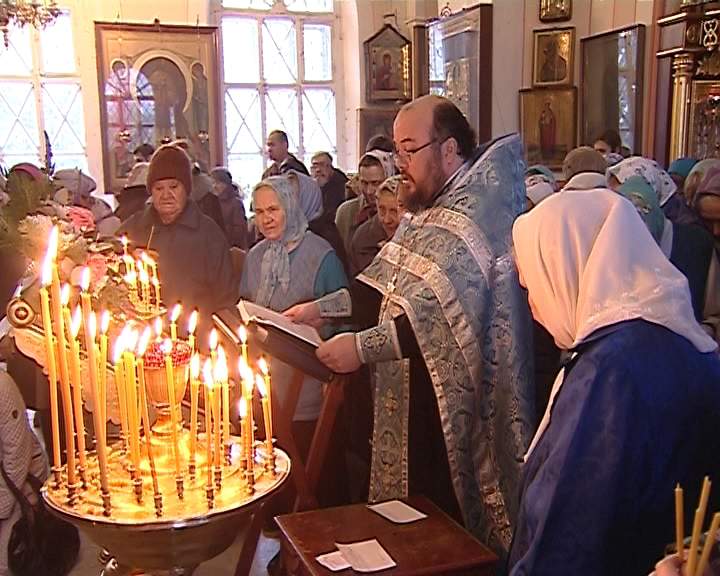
x: 132, y: 339
x: 208, y: 376
x: 130, y: 278
x: 92, y: 326
x: 85, y: 279
x: 213, y: 339
x: 242, y: 409
x: 155, y: 281
x: 262, y: 364
x: 144, y: 341
x: 144, y: 278
x: 104, y: 321
x: 50, y: 257
x: 195, y: 366
x: 119, y: 347
x: 158, y: 326
x: 192, y: 322
x: 75, y: 322
x: 244, y: 370
x: 221, y: 370
x: 124, y: 241
x: 167, y: 346
x: 260, y: 383
x: 242, y: 334
x: 65, y: 294
x: 175, y: 314
x: 147, y: 259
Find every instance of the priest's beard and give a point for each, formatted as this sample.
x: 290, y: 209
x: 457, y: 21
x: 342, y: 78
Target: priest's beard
x: 416, y: 195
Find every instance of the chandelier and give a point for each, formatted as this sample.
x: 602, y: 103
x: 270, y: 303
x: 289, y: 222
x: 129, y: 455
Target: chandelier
x: 22, y: 13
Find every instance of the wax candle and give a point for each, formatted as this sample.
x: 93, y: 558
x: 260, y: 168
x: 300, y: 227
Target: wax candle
x: 221, y: 377
x: 144, y: 340
x: 132, y: 400
x: 194, y: 385
x: 118, y: 351
x: 89, y: 345
x: 208, y: 401
x: 679, y: 522
x: 265, y: 370
x: 124, y: 241
x: 156, y: 291
x: 247, y: 387
x: 59, y: 326
x: 104, y: 326
x: 260, y: 383
x: 145, y: 284
x: 242, y: 335
x: 242, y: 411
x: 74, y: 327
x: 213, y: 341
x: 170, y: 377
x: 174, y: 315
x: 192, y: 325
x: 98, y: 422
x: 51, y: 366
x: 158, y: 326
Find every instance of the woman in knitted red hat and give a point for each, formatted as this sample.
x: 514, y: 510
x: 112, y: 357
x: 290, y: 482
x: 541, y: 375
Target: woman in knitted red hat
x: 194, y: 256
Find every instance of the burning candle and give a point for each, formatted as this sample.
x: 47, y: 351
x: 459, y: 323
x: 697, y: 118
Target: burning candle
x: 221, y: 377
x: 158, y: 326
x: 242, y: 334
x: 192, y: 325
x: 194, y: 385
x: 142, y: 345
x: 247, y: 387
x: 213, y: 341
x: 156, y: 291
x: 77, y: 403
x: 150, y: 263
x: 118, y: 351
x: 264, y: 368
x: 145, y: 284
x: 242, y: 411
x: 208, y: 400
x: 124, y: 241
x: 170, y: 377
x: 260, y: 383
x: 132, y: 400
x: 174, y: 315
x: 51, y: 366
x: 56, y: 303
x: 104, y: 326
x: 98, y: 422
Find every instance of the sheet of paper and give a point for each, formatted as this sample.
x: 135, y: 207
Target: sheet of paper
x: 334, y: 561
x: 366, y: 556
x: 250, y: 311
x: 397, y: 512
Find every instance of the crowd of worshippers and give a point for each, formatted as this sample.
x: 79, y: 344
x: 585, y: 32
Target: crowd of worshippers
x: 556, y: 442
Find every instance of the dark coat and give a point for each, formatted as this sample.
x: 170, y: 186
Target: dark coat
x: 194, y: 258
x: 233, y: 215
x: 333, y: 193
x: 290, y: 163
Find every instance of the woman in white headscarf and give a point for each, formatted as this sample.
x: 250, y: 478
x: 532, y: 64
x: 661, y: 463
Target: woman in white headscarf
x: 636, y: 408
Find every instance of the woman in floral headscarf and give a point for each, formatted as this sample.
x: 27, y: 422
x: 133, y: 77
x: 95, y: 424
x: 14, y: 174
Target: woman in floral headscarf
x: 671, y: 203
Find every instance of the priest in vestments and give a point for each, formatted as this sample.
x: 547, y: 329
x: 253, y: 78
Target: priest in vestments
x: 451, y: 350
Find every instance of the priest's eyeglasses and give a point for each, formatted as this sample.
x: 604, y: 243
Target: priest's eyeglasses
x: 404, y: 156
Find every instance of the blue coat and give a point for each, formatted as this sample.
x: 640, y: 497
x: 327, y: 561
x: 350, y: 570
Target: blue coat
x: 639, y: 411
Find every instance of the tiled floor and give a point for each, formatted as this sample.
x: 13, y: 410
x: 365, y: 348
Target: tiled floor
x: 222, y: 565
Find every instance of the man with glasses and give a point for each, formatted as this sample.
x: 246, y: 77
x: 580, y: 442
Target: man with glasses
x: 451, y: 352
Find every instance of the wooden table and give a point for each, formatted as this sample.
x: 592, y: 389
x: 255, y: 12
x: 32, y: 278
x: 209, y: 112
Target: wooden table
x: 433, y: 545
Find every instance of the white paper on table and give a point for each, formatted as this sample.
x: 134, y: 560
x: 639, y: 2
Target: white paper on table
x: 397, y: 511
x: 334, y: 561
x: 366, y: 556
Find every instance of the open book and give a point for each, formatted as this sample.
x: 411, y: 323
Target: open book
x: 250, y: 312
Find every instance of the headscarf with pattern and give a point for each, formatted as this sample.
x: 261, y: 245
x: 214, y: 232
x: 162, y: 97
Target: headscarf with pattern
x: 650, y: 170
x: 641, y: 194
x: 275, y: 265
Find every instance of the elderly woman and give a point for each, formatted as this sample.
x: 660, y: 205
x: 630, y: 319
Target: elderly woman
x: 635, y: 410
x: 194, y: 256
x: 672, y: 204
x: 291, y: 265
x: 373, y: 233
x: 689, y: 247
x: 231, y: 206
x: 707, y: 201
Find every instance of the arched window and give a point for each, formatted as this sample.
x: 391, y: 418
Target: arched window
x: 278, y: 74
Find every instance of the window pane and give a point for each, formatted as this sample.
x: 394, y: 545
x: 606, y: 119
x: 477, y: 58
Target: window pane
x: 240, y: 50
x: 56, y: 43
x: 246, y: 170
x: 317, y: 40
x: 62, y: 161
x: 281, y: 113
x: 279, y: 50
x: 242, y: 121
x: 16, y: 59
x: 254, y: 4
x: 18, y: 121
x: 319, y: 130
x: 63, y: 116
x: 309, y: 5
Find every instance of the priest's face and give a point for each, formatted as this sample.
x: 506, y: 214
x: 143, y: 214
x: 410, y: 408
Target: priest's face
x: 269, y: 213
x: 169, y: 198
x: 417, y: 156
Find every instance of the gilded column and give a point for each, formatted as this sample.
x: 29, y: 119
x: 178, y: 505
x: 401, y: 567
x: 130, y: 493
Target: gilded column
x: 683, y: 66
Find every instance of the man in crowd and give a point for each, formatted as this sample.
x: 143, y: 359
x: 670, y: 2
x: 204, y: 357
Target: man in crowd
x: 283, y: 160
x: 331, y: 180
x: 451, y: 351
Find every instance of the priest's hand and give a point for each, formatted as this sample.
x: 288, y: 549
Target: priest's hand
x: 305, y: 313
x: 340, y: 354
